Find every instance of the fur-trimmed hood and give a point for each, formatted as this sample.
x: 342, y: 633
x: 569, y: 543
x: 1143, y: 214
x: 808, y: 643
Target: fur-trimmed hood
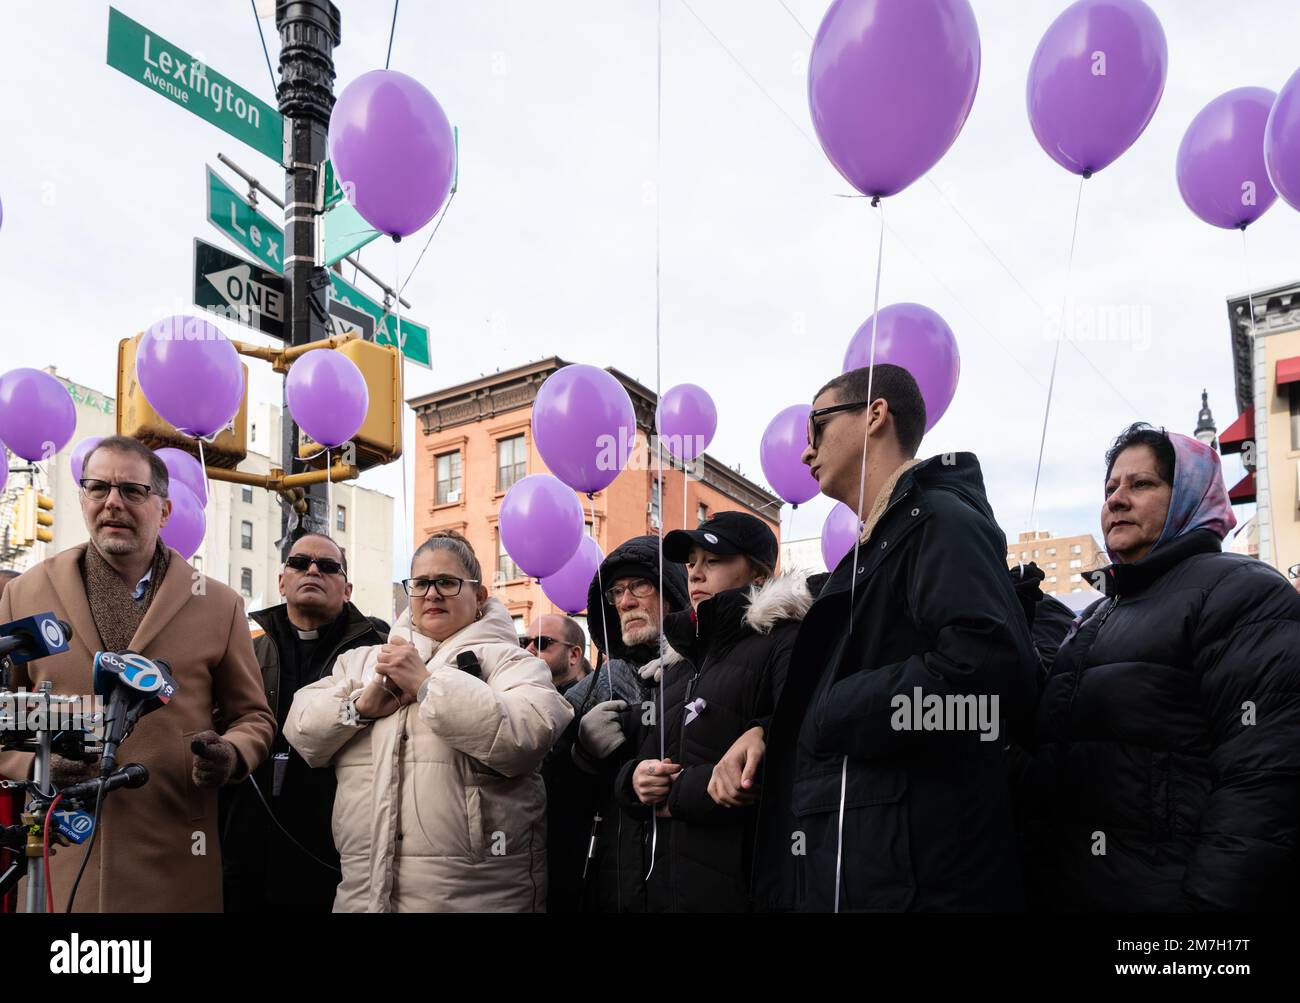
x: 726, y: 617
x: 782, y: 597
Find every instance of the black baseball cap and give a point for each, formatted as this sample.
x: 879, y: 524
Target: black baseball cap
x: 725, y: 533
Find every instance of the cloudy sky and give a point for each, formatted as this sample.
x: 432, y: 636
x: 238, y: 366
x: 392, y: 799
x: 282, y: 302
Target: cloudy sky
x: 549, y: 247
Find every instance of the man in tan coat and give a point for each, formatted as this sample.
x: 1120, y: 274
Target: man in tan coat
x: 157, y: 848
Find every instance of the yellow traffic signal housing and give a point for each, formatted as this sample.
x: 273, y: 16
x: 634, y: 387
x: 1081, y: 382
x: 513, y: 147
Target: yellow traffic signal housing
x: 44, y: 513
x: 137, y: 418
x: 24, y: 528
x: 379, y: 439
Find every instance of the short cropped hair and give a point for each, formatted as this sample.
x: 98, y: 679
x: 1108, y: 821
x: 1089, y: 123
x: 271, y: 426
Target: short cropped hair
x: 159, y: 479
x: 896, y: 386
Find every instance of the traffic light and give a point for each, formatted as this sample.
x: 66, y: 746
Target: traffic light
x: 21, y: 537
x: 33, y: 518
x: 44, y: 513
x: 378, y: 441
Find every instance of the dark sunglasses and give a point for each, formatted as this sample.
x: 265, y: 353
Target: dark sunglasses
x: 303, y: 562
x: 446, y: 586
x: 128, y: 491
x: 815, y: 426
x: 543, y: 642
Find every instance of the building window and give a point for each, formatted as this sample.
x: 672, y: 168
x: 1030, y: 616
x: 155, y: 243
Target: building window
x: 246, y: 535
x: 586, y: 528
x: 653, y: 507
x: 1076, y: 549
x: 1051, y: 551
x: 341, y: 518
x: 1051, y: 566
x: 197, y: 564
x: 248, y: 495
x: 448, y: 478
x: 507, y: 570
x: 246, y: 581
x: 1076, y: 563
x: 1051, y: 580
x: 701, y: 513
x: 1076, y: 578
x: 1035, y: 555
x: 512, y: 462
x: 1293, y: 389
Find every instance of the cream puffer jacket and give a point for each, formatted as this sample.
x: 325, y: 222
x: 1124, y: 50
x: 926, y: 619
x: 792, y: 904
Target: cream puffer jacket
x: 440, y: 806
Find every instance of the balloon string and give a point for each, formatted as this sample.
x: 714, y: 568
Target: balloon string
x: 857, y: 539
x: 331, y: 523
x: 407, y: 525
x: 1056, y: 354
x: 1250, y: 304
x: 659, y: 455
x: 600, y: 584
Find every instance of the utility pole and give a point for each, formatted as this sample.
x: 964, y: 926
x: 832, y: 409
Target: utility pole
x: 309, y: 32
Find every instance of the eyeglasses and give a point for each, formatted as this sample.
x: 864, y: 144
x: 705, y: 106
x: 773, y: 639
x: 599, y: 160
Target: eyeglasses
x: 128, y: 491
x: 303, y: 562
x: 639, y: 588
x: 446, y: 586
x: 543, y: 642
x: 815, y: 427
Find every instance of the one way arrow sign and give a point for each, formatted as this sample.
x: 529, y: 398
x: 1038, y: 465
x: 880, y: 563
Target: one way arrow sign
x: 239, y: 290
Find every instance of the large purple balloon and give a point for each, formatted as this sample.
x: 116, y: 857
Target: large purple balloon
x: 191, y: 375
x: 393, y: 151
x: 584, y: 426
x: 686, y: 419
x: 1095, y: 81
x: 541, y: 524
x: 839, y: 531
x: 77, y: 459
x: 1282, y: 142
x: 1221, y: 170
x: 184, y: 469
x: 327, y: 396
x: 890, y: 83
x: 37, y: 416
x: 918, y: 339
x: 186, y: 525
x: 567, y: 588
x: 784, y: 440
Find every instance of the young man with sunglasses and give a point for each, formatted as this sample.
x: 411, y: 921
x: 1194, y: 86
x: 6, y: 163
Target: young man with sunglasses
x: 125, y: 590
x: 884, y: 784
x: 280, y: 856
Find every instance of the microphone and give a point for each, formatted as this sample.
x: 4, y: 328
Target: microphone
x: 32, y: 637
x: 467, y: 661
x: 131, y: 775
x: 134, y: 685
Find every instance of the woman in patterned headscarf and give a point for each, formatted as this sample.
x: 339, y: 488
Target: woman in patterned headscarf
x: 1168, y: 767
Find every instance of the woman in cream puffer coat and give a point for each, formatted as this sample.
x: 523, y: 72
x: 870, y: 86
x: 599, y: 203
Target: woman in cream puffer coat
x: 440, y: 805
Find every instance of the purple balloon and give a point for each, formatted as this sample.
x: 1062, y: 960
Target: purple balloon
x: 327, y: 396
x: 184, y: 469
x: 186, y: 525
x: 1095, y: 81
x: 1282, y: 142
x: 784, y: 440
x: 393, y: 151
x: 37, y: 416
x: 919, y: 340
x: 839, y: 531
x: 567, y: 588
x: 190, y: 374
x: 686, y: 420
x: 77, y: 459
x: 1221, y: 170
x: 890, y: 83
x: 541, y: 524
x: 584, y: 426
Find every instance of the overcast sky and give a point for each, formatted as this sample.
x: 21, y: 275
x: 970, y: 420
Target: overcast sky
x: 549, y: 246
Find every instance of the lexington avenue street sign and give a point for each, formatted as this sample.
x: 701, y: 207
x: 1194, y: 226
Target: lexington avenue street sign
x: 176, y: 75
x: 255, y: 233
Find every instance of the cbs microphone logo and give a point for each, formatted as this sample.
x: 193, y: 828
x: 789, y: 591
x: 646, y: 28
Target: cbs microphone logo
x: 53, y: 634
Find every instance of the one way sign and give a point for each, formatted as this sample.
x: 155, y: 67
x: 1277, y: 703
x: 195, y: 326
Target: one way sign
x: 237, y: 289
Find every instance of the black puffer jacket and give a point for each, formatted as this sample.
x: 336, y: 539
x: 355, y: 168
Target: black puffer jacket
x: 1168, y: 772
x: 926, y: 813
x: 739, y: 642
x: 609, y: 886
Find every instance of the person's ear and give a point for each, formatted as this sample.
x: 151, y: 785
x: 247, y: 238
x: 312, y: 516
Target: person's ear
x: 877, y: 415
x: 281, y: 581
x: 481, y: 595
x: 347, y: 591
x: 166, y: 512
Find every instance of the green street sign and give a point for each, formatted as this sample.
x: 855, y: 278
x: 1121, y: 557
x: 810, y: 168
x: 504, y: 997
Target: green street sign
x: 345, y: 231
x: 176, y: 75
x: 255, y: 233
x: 415, y: 337
x: 333, y: 190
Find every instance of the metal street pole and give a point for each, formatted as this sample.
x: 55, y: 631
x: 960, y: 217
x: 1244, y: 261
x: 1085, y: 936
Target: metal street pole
x: 309, y: 32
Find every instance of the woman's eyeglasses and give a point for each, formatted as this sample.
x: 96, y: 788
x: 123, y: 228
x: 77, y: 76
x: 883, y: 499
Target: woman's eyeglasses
x: 303, y: 562
x: 815, y: 426
x: 445, y: 586
x: 128, y: 491
x: 639, y: 588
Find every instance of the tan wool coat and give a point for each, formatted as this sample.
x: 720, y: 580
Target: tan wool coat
x: 157, y: 848
x: 440, y: 805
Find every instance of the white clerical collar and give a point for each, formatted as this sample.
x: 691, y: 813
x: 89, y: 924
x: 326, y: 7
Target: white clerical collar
x: 307, y: 635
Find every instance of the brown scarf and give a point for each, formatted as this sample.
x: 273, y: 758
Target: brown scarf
x: 117, y: 616
x: 882, y: 499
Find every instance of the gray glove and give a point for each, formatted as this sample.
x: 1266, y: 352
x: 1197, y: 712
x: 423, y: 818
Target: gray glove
x: 651, y: 672
x: 599, y: 730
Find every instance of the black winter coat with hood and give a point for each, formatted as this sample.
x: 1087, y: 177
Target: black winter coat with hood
x: 1167, y: 776
x: 612, y: 883
x: 926, y: 813
x: 737, y: 651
